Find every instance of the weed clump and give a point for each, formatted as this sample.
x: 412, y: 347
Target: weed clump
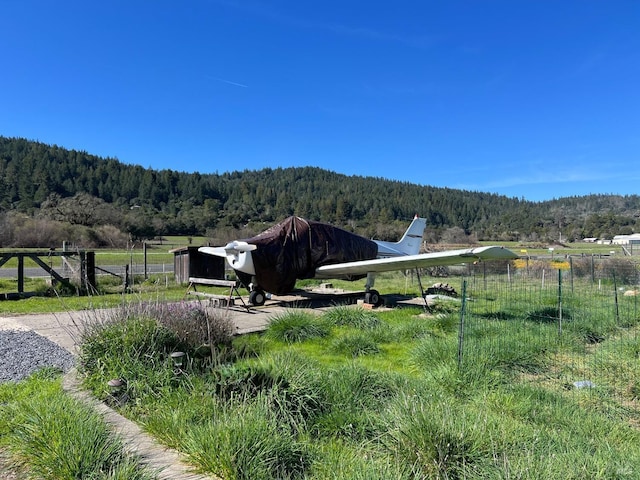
x: 246, y: 440
x: 134, y: 343
x: 296, y: 326
x: 360, y: 318
x: 193, y: 325
x: 440, y: 440
x: 355, y: 344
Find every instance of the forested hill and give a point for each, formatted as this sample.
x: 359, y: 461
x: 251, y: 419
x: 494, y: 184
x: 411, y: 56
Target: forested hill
x: 46, y: 181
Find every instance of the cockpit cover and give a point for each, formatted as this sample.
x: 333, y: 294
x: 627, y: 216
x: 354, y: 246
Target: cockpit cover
x: 295, y: 247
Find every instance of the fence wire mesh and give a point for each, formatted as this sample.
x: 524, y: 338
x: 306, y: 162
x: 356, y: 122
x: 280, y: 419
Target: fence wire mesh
x: 568, y: 327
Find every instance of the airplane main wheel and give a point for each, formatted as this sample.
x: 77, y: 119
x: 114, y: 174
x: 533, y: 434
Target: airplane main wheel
x: 257, y: 298
x: 372, y: 297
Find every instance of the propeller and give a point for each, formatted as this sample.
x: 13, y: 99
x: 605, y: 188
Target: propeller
x: 232, y: 248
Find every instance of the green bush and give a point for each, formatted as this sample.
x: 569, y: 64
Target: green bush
x: 193, y: 325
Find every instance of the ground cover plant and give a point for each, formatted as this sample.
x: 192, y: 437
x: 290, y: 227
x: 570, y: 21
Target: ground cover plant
x: 480, y: 387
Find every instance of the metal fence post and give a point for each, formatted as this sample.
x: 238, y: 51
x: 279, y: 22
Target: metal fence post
x: 615, y: 297
x: 560, y: 303
x: 461, y: 326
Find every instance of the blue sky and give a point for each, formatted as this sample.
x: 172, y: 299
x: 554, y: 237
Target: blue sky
x: 528, y: 99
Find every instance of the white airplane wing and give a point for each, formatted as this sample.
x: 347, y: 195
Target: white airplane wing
x: 450, y: 257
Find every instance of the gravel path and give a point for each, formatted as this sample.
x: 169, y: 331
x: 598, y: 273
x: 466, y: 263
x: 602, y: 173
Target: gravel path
x: 24, y: 352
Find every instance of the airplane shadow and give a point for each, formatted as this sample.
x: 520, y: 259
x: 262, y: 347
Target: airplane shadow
x: 332, y: 298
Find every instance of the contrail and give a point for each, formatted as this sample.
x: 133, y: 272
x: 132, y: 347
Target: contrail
x: 230, y: 82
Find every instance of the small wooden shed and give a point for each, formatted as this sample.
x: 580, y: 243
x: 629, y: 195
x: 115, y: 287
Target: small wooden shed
x: 188, y: 262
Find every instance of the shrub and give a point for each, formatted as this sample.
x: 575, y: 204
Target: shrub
x: 623, y: 270
x: 193, y: 325
x: 133, y: 343
x: 133, y: 350
x: 136, y: 339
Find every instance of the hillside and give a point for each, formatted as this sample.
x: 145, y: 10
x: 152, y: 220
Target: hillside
x: 48, y: 182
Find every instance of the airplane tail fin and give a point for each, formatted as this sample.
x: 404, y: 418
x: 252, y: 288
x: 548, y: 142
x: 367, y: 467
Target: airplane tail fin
x: 410, y: 242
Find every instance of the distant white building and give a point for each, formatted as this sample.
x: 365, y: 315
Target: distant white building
x: 633, y: 239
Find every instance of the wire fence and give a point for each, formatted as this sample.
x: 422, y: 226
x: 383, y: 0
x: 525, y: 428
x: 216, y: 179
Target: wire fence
x: 569, y: 326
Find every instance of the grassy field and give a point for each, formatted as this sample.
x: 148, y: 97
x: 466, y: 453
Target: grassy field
x: 356, y: 394
x: 159, y: 252
x: 111, y: 294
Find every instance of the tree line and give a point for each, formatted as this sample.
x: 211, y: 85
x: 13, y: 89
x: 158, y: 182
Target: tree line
x: 103, y: 201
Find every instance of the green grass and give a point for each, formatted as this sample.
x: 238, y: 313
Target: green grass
x: 111, y: 294
x: 52, y: 436
x: 246, y: 441
x: 296, y: 326
x: 569, y: 248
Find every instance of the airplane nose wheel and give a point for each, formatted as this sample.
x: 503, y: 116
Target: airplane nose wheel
x: 257, y: 298
x: 372, y: 297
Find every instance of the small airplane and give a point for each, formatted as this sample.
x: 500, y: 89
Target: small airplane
x: 296, y: 249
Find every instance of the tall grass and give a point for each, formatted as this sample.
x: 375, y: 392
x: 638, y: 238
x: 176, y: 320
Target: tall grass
x: 246, y: 441
x: 441, y: 440
x: 354, y: 397
x: 296, y: 326
x: 358, y: 318
x: 53, y: 436
x: 343, y: 460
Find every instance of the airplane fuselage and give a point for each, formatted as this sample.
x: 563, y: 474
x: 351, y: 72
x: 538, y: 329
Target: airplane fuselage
x: 241, y: 260
x: 298, y: 249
